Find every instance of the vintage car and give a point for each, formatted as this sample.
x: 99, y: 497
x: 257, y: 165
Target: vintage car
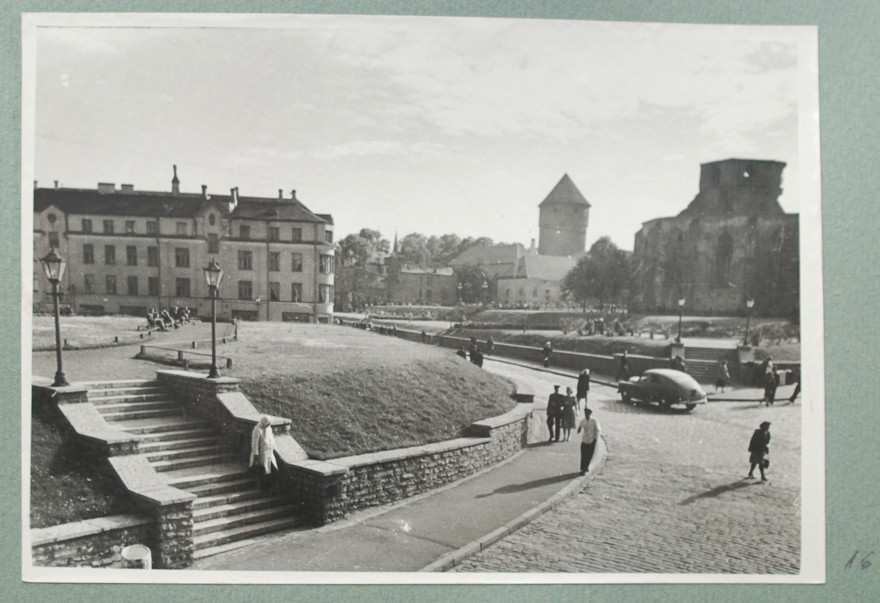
x: 665, y: 386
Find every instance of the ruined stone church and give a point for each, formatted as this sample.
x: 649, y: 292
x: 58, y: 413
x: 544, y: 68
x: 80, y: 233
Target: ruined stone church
x: 732, y: 243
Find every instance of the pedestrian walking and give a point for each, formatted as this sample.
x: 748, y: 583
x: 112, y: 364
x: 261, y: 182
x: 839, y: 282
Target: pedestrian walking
x: 554, y: 413
x: 583, y: 388
x: 759, y: 447
x: 490, y: 345
x: 797, y: 389
x: 547, y: 352
x: 623, y: 371
x: 263, y: 451
x: 569, y: 417
x: 477, y: 356
x: 591, y: 430
x: 771, y: 382
x: 723, y: 376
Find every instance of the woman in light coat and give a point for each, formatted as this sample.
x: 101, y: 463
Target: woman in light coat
x: 263, y: 449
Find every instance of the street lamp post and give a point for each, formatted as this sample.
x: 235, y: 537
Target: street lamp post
x: 459, y: 292
x: 485, y: 290
x: 53, y: 266
x: 213, y: 275
x: 681, y: 301
x: 749, y: 304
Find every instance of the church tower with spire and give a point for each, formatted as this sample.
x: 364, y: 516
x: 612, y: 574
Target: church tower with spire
x: 564, y: 217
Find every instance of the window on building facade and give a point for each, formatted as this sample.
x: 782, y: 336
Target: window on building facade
x: 521, y: 292
x: 132, y: 285
x: 108, y: 226
x: 181, y: 287
x: 245, y: 260
x: 244, y: 232
x: 296, y: 235
x: 273, y: 233
x: 325, y: 294
x: 296, y: 262
x: 181, y: 229
x: 89, y: 283
x: 507, y: 293
x: 428, y: 280
x: 54, y: 240
x: 245, y: 291
x: 213, y: 243
x: 328, y: 236
x: 429, y: 295
x: 296, y: 292
x: 152, y: 256
x: 274, y: 291
x: 88, y: 253
x: 86, y: 225
x: 110, y: 254
x: 327, y: 264
x: 152, y: 228
x: 153, y: 286
x: 129, y: 227
x: 274, y: 261
x: 181, y: 257
x: 131, y: 255
x: 110, y: 283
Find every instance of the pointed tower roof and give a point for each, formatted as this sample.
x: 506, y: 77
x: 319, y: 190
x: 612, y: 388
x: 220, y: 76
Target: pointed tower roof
x: 395, y: 250
x: 565, y: 193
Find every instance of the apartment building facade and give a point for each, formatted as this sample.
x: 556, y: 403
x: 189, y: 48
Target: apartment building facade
x: 129, y: 251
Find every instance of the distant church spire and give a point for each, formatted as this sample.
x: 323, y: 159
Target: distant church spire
x: 395, y: 250
x: 175, y: 183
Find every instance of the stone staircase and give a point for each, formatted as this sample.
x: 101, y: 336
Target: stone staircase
x: 703, y: 363
x: 189, y: 454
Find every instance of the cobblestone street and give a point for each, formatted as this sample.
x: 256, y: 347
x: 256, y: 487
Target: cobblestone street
x: 672, y: 497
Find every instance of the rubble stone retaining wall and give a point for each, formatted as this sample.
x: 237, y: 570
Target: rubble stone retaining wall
x: 94, y: 542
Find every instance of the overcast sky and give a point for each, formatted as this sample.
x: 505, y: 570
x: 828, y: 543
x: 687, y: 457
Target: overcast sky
x: 434, y: 125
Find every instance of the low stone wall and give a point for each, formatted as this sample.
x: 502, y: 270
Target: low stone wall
x: 329, y: 490
x: 94, y: 542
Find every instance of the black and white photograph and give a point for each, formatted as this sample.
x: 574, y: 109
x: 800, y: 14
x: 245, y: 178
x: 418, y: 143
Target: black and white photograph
x: 374, y: 299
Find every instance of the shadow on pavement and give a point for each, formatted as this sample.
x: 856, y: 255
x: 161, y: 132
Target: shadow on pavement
x: 714, y: 492
x: 538, y: 483
x: 641, y: 408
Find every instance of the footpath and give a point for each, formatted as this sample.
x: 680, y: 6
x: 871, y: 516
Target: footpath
x: 437, y: 530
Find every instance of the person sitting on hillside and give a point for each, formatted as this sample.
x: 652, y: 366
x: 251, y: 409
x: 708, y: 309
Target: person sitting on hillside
x: 461, y: 352
x: 263, y: 451
x: 477, y: 356
x: 151, y: 321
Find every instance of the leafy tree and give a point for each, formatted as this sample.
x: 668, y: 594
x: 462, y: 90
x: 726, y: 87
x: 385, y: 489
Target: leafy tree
x: 471, y: 278
x: 449, y: 245
x: 601, y: 276
x: 360, y: 248
x: 414, y: 248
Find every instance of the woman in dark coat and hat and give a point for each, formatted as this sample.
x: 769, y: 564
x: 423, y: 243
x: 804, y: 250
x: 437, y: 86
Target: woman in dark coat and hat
x: 759, y: 447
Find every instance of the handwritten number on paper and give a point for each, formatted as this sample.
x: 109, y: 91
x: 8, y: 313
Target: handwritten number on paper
x: 865, y: 563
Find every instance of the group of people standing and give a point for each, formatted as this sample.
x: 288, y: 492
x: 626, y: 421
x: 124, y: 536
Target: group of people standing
x: 562, y: 417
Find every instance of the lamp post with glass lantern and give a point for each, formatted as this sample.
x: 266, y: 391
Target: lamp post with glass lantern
x: 53, y: 266
x: 213, y: 275
x: 749, y: 304
x: 681, y: 301
x: 485, y: 290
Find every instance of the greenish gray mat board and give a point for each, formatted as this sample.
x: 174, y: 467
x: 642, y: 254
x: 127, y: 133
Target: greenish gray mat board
x: 849, y: 85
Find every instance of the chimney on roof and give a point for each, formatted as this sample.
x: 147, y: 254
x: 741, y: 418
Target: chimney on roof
x: 204, y: 191
x: 233, y: 199
x: 175, y: 183
x: 293, y: 194
x: 56, y: 184
x: 280, y: 193
x: 127, y: 188
x: 532, y: 248
x: 106, y: 187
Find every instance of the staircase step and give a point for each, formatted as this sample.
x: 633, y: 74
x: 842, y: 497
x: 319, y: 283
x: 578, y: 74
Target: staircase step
x: 186, y: 463
x: 238, y: 507
x: 105, y: 409
x: 122, y: 391
x: 247, y: 490
x: 191, y: 479
x: 120, y: 383
x: 236, y: 521
x: 187, y: 453
x: 151, y: 397
x: 147, y: 448
x: 135, y: 415
x: 235, y: 486
x: 212, y: 543
x: 162, y: 425
x: 184, y: 434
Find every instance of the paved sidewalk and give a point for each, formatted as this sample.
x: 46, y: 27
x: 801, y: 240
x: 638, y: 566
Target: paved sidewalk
x: 441, y: 527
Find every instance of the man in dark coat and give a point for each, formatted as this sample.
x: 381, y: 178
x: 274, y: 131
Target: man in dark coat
x: 554, y: 413
x: 623, y: 371
x: 477, y: 356
x: 583, y: 388
x: 759, y: 447
x: 770, y: 385
x: 546, y: 353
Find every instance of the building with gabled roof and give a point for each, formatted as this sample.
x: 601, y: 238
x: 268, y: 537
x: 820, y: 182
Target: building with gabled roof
x: 564, y: 217
x: 128, y: 251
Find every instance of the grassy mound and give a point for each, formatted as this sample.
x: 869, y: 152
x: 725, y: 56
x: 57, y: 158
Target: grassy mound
x: 66, y: 487
x: 350, y: 392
